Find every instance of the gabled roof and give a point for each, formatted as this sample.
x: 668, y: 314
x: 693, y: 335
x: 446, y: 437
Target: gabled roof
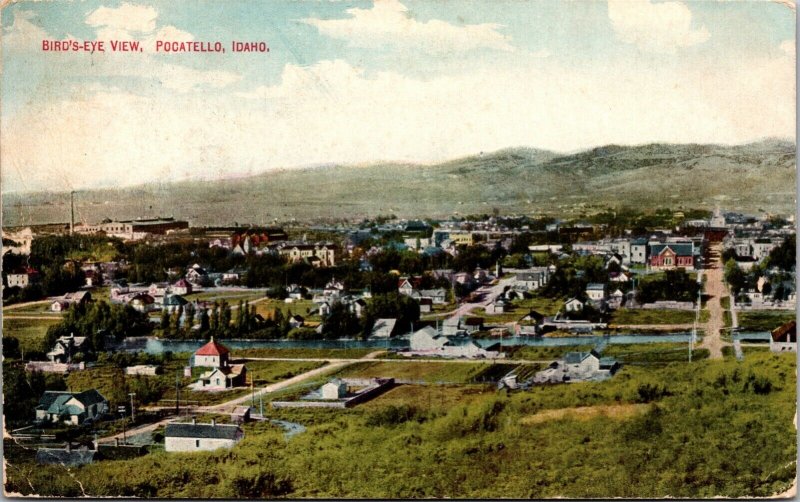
x: 55, y: 401
x: 680, y: 249
x: 203, y: 431
x: 578, y: 357
x: 174, y: 300
x: 595, y: 286
x: 785, y: 333
x: 212, y: 348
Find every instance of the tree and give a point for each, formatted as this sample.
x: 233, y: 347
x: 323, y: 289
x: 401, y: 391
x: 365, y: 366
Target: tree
x: 735, y: 277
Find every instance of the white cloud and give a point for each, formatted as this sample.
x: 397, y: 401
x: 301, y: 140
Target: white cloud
x: 788, y: 46
x: 22, y: 34
x: 334, y: 112
x: 126, y: 17
x: 389, y: 22
x: 655, y: 27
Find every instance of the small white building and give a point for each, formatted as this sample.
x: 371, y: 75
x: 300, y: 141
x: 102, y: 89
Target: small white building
x: 573, y: 305
x: 596, y: 291
x: 335, y: 389
x: 784, y: 338
x: 192, y: 436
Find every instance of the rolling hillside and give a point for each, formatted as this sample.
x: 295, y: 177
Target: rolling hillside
x: 752, y: 177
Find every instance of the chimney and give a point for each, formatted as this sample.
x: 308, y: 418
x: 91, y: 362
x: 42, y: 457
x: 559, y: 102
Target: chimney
x: 213, y: 422
x: 194, y: 420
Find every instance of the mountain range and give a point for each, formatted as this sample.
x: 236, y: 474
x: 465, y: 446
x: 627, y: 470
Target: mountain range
x: 753, y: 177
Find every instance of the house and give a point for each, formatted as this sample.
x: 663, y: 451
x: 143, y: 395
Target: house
x: 324, y: 309
x: 143, y: 369
x: 427, y: 339
x: 425, y: 305
x: 319, y: 254
x: 573, y: 305
x: 671, y: 255
x: 596, y: 292
x: 335, y: 389
x: 187, y: 437
x: 471, y: 324
x: 334, y: 288
x: 615, y: 299
x: 496, y: 307
x: 196, y: 275
x: 639, y: 251
x: 67, y: 346
x: 158, y: 289
x: 211, y: 355
x: 223, y: 377
x: 578, y: 366
x: 784, y: 338
x: 173, y: 303
x: 296, y: 321
x: 59, y: 306
x: 531, y: 279
x: 619, y: 277
x: 240, y: 414
x: 383, y: 328
x: 438, y: 296
x: 142, y: 302
x: 22, y: 278
x: 406, y: 286
x: 358, y: 307
x: 71, y: 407
x: 182, y: 287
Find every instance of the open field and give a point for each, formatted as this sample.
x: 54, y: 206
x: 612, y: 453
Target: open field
x: 266, y: 372
x: 655, y: 316
x: 299, y: 353
x: 618, y: 411
x: 649, y: 427
x: 297, y: 307
x: 29, y: 332
x: 429, y: 372
x: 763, y: 320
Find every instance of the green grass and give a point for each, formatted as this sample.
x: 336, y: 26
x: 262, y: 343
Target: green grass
x: 763, y: 320
x: 653, y: 353
x: 545, y: 352
x: 654, y: 316
x: 297, y: 307
x: 37, y: 308
x: 430, y: 372
x: 266, y: 372
x: 725, y: 302
x: 29, y: 332
x: 470, y: 441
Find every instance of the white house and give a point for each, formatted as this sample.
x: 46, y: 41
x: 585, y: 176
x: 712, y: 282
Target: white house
x: 573, y: 305
x: 596, y: 291
x: 200, y: 437
x: 71, y: 407
x: 426, y: 339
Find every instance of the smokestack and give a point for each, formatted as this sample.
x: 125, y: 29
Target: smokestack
x: 71, y: 212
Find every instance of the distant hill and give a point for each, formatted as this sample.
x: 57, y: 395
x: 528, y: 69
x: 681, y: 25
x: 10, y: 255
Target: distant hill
x: 751, y: 177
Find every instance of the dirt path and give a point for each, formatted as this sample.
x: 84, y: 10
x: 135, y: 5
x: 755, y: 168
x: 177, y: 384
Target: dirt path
x: 25, y: 304
x: 716, y: 289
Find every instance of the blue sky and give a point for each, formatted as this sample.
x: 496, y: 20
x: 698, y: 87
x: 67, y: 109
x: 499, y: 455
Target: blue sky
x: 398, y: 80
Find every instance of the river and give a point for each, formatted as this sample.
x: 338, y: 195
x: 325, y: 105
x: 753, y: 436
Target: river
x: 156, y: 346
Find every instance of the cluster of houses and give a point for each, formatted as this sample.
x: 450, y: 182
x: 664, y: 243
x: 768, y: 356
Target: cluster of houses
x: 140, y: 228
x: 429, y: 342
x: 578, y: 367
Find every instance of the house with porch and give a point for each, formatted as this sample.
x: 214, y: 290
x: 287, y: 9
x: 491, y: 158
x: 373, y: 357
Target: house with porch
x: 72, y: 408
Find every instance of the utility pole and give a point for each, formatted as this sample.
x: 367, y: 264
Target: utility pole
x: 71, y: 212
x: 177, y: 393
x: 133, y: 415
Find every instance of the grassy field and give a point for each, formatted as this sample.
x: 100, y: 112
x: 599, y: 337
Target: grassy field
x: 297, y: 307
x: 655, y: 316
x: 232, y: 297
x: 430, y: 372
x: 648, y: 427
x: 36, y: 308
x: 653, y: 353
x: 29, y: 332
x: 266, y: 372
x: 763, y: 320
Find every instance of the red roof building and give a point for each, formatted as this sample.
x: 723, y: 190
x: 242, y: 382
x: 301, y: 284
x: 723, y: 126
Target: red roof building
x: 212, y: 354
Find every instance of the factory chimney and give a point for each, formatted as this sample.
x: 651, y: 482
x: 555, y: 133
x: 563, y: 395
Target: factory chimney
x: 71, y: 212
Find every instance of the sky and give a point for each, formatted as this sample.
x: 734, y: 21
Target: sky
x: 390, y: 80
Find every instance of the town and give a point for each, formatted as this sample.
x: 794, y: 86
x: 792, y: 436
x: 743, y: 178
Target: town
x: 142, y: 340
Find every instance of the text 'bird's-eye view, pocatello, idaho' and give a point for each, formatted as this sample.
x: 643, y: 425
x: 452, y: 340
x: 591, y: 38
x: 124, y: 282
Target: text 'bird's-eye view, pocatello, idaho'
x: 398, y: 249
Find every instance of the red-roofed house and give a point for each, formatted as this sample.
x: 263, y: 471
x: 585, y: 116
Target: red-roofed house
x: 784, y: 338
x: 212, y: 355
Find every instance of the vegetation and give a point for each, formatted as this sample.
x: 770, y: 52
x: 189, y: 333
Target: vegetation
x: 651, y: 433
x: 675, y: 285
x: 763, y: 320
x: 654, y: 316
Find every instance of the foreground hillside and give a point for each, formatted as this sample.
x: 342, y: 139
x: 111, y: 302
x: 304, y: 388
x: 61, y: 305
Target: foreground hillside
x: 694, y: 430
x: 758, y: 176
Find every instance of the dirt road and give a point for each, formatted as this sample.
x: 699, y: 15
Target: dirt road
x: 716, y: 289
